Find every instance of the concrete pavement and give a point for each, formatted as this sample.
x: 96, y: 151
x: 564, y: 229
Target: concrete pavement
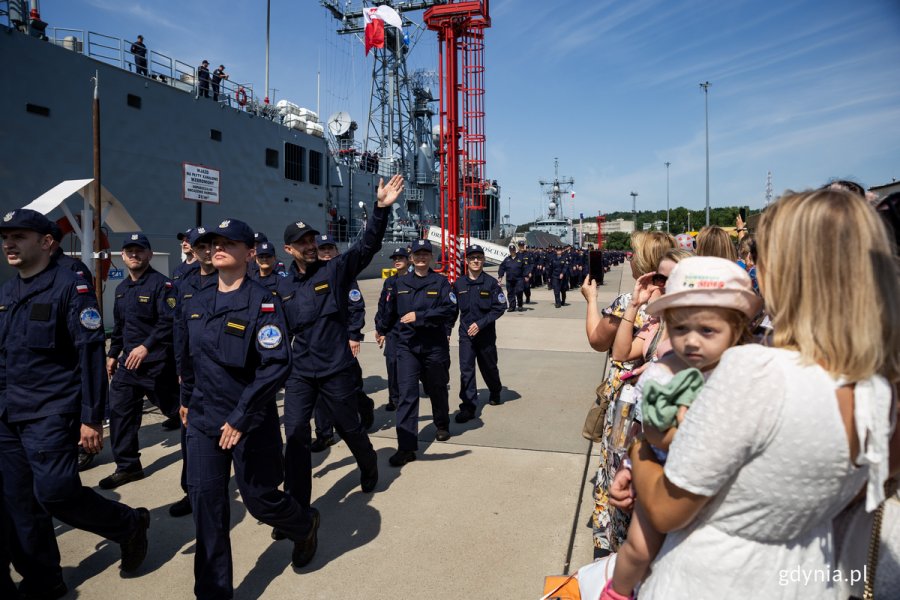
x: 487, y: 514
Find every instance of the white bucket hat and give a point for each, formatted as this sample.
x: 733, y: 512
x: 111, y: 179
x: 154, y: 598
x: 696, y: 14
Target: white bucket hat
x: 708, y: 281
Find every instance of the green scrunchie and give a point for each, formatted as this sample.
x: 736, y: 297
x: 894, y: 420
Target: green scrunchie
x: 661, y: 400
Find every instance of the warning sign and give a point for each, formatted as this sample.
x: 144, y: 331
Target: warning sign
x: 201, y: 184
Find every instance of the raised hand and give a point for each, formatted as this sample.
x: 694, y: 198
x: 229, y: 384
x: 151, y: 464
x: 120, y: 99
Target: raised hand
x: 388, y: 194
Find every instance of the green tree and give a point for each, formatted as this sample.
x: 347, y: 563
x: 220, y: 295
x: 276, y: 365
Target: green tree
x: 618, y: 240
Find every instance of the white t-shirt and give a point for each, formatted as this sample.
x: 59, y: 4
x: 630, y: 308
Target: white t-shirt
x: 765, y: 440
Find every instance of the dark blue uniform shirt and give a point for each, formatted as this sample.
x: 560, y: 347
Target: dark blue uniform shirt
x: 512, y: 267
x: 144, y: 312
x: 192, y: 283
x: 356, y: 313
x: 430, y: 297
x: 51, y: 348
x: 387, y: 292
x: 236, y: 357
x: 183, y: 270
x: 315, y: 303
x: 480, y: 301
x: 270, y: 281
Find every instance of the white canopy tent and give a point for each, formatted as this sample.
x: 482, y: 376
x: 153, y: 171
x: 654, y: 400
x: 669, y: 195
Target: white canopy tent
x: 112, y: 212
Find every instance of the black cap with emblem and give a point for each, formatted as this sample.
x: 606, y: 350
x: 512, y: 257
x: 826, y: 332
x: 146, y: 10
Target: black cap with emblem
x: 25, y: 218
x: 136, y: 239
x: 295, y: 231
x: 231, y: 229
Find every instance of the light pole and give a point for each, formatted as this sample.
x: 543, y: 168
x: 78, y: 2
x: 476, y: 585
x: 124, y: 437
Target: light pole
x: 667, y: 196
x: 705, y: 85
x: 634, y: 196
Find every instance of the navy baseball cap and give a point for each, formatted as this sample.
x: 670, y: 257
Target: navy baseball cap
x: 231, y: 229
x: 264, y: 249
x: 400, y: 252
x: 194, y: 234
x: 512, y: 246
x: 421, y: 246
x: 324, y: 240
x: 521, y: 242
x: 25, y: 218
x: 474, y: 249
x: 185, y: 235
x: 136, y: 239
x: 295, y: 231
x: 260, y: 237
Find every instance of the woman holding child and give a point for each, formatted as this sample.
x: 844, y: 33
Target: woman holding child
x: 780, y: 438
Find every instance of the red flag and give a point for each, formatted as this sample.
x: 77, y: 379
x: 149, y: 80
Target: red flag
x: 375, y: 18
x: 374, y: 34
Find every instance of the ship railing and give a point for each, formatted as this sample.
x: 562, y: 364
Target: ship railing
x: 161, y: 67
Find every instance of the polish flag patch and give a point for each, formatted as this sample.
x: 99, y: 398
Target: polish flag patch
x: 168, y: 285
x: 82, y: 288
x: 267, y: 307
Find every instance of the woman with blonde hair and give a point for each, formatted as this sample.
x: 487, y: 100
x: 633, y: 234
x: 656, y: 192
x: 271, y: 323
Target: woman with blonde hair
x: 782, y: 438
x: 715, y: 241
x: 649, y: 250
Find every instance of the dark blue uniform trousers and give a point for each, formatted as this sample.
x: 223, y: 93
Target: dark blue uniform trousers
x: 483, y: 350
x: 258, y: 471
x: 324, y: 420
x: 514, y: 291
x: 159, y: 383
x: 50, y: 449
x: 390, y: 359
x: 35, y: 555
x: 432, y: 365
x: 559, y: 289
x: 338, y: 392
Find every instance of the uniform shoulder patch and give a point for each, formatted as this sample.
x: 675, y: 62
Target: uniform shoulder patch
x: 452, y: 297
x: 501, y: 297
x: 168, y: 285
x: 269, y: 337
x: 82, y: 288
x: 355, y: 295
x: 267, y: 307
x: 90, y: 318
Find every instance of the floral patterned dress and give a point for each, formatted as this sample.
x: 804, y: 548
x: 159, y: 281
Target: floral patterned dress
x: 611, y: 525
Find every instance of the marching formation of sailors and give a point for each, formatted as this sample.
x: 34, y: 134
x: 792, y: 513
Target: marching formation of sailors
x: 211, y: 347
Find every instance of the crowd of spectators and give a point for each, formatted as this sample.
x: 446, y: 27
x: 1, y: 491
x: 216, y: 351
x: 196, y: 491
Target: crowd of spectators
x: 749, y: 405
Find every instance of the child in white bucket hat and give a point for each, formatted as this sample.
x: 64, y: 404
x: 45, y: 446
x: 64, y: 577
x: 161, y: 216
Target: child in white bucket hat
x: 707, y: 308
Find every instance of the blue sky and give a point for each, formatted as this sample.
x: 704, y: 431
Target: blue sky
x: 809, y: 90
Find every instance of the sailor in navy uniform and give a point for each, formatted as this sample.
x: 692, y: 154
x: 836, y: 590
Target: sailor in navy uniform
x: 235, y: 360
x: 265, y: 262
x: 85, y: 459
x: 481, y: 303
x: 528, y: 269
x: 276, y: 267
x: 387, y: 337
x: 140, y: 360
x: 513, y: 267
x: 54, y: 392
x: 205, y: 276
x: 315, y: 296
x: 558, y: 275
x: 356, y: 320
x: 66, y: 261
x: 423, y: 310
x: 190, y: 263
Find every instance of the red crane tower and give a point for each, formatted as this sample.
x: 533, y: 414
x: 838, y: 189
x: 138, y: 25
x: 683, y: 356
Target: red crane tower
x: 460, y: 27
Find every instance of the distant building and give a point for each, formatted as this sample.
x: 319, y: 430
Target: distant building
x: 619, y: 225
x: 886, y: 189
